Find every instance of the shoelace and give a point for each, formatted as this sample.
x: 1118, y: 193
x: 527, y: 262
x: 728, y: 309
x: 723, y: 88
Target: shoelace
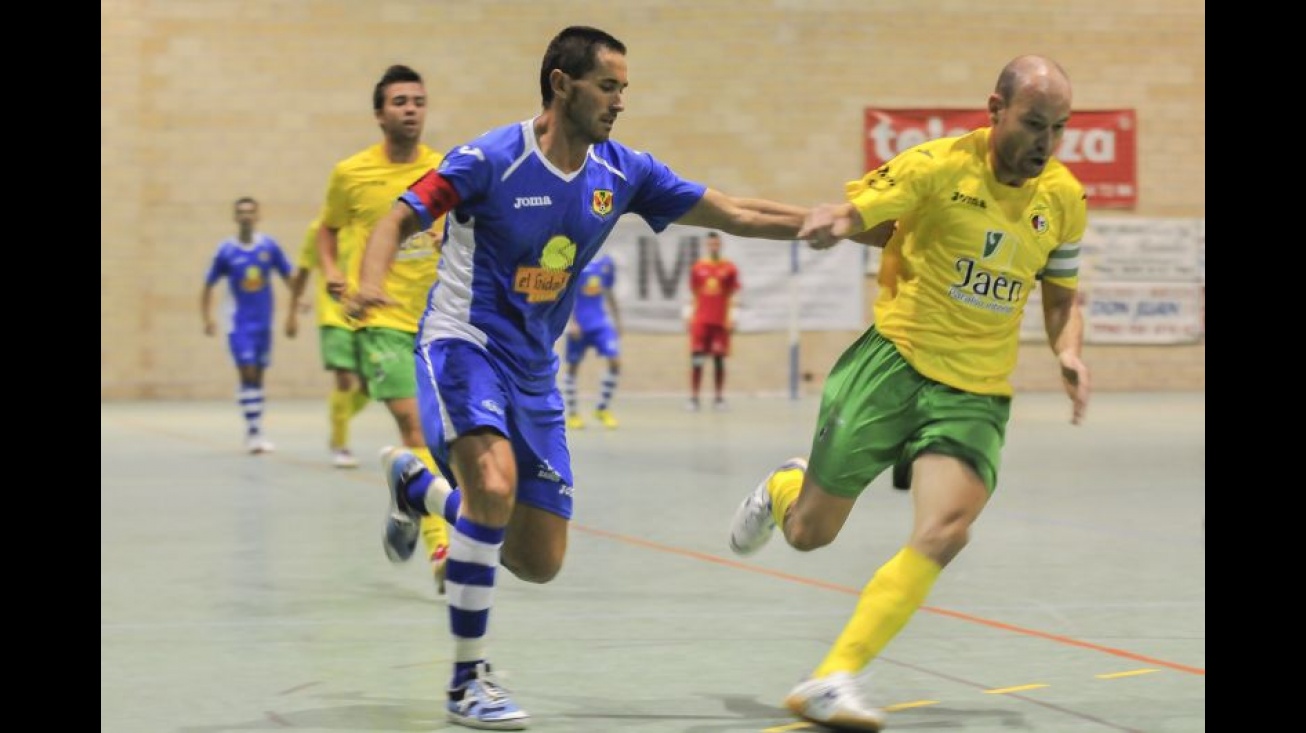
x: 492, y: 690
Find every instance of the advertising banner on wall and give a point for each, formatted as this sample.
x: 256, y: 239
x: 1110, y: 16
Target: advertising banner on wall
x: 1099, y: 146
x: 825, y: 293
x: 1143, y: 249
x: 1143, y: 313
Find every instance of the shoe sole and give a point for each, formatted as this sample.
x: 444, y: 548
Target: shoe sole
x: 393, y: 551
x: 797, y: 705
x: 518, y: 724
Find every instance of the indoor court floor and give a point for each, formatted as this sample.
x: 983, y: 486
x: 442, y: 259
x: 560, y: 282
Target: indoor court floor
x: 251, y: 593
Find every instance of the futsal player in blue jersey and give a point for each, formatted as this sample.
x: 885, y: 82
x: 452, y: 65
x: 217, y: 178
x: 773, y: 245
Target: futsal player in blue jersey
x: 247, y: 262
x: 595, y: 324
x: 529, y: 205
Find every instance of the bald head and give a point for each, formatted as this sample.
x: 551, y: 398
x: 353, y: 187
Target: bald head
x: 1035, y: 73
x: 1029, y: 108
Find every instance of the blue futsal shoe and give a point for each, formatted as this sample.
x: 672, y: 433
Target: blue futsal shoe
x: 482, y: 703
x: 402, y: 522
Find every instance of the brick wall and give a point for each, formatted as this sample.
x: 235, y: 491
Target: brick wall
x: 203, y: 101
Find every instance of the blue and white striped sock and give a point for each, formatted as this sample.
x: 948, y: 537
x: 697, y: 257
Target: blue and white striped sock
x: 250, y: 397
x: 607, y: 387
x: 469, y: 581
x: 569, y: 392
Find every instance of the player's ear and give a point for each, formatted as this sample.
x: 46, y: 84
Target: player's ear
x: 995, y: 108
x: 560, y: 82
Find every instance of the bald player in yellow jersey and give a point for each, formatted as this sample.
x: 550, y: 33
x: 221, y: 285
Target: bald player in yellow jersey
x: 336, y: 344
x: 981, y: 220
x: 362, y: 188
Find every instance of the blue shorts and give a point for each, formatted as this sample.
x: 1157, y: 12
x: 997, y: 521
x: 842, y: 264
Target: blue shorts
x: 603, y: 338
x: 251, y: 348
x: 460, y: 388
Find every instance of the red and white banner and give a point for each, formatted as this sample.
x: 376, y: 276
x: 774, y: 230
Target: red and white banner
x: 1099, y: 146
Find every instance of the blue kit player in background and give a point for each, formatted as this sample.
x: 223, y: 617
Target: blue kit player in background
x: 247, y: 262
x: 529, y: 205
x: 595, y: 323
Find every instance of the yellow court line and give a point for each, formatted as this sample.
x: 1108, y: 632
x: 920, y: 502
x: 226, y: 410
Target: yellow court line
x: 909, y: 705
x: 1130, y: 673
x: 785, y: 728
x: 1018, y: 688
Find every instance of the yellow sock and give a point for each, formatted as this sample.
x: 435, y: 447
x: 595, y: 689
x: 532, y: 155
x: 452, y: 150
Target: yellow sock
x: 896, y: 590
x: 339, y: 406
x: 784, y: 487
x: 435, y: 535
x: 358, y: 399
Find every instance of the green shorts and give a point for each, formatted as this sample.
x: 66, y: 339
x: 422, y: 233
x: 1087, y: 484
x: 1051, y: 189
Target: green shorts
x: 339, y: 348
x: 877, y: 412
x: 387, y: 359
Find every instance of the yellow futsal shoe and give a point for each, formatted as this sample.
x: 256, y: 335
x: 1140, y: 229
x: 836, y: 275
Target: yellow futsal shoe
x: 575, y: 422
x: 605, y: 417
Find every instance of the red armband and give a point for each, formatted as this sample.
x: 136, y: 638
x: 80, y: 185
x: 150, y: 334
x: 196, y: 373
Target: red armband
x: 436, y: 193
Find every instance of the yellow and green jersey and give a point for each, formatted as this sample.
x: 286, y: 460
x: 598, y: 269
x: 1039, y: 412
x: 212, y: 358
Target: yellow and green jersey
x: 967, y: 253
x: 329, y: 311
x: 362, y: 188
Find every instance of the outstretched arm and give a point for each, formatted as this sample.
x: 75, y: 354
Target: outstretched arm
x: 745, y: 217
x: 826, y: 224
x: 1064, y: 323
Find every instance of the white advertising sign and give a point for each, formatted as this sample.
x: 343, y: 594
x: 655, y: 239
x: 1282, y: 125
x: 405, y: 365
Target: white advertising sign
x: 652, y: 282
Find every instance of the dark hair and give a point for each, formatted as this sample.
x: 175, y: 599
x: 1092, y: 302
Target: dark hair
x: 393, y: 75
x: 244, y: 200
x: 574, y: 52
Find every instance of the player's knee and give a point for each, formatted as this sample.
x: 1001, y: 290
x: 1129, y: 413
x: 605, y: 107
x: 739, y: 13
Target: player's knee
x: 698, y: 359
x: 942, y: 540
x: 532, y: 566
x: 805, y: 535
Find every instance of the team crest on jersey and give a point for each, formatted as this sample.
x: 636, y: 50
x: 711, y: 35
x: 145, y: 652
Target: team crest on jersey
x: 545, y: 283
x: 1039, y: 222
x: 992, y: 244
x: 601, y: 201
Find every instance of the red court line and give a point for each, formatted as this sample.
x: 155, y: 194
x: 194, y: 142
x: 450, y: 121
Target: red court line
x: 703, y: 556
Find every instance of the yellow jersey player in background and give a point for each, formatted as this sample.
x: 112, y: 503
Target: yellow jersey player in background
x: 337, y: 344
x: 361, y: 189
x: 982, y: 219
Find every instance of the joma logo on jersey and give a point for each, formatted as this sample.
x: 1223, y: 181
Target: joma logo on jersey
x: 601, y: 202
x: 987, y: 285
x: 523, y: 202
x: 968, y: 199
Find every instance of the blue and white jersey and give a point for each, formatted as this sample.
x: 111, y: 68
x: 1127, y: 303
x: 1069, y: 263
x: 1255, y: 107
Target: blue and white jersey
x: 248, y: 270
x: 523, y: 231
x: 596, y: 280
